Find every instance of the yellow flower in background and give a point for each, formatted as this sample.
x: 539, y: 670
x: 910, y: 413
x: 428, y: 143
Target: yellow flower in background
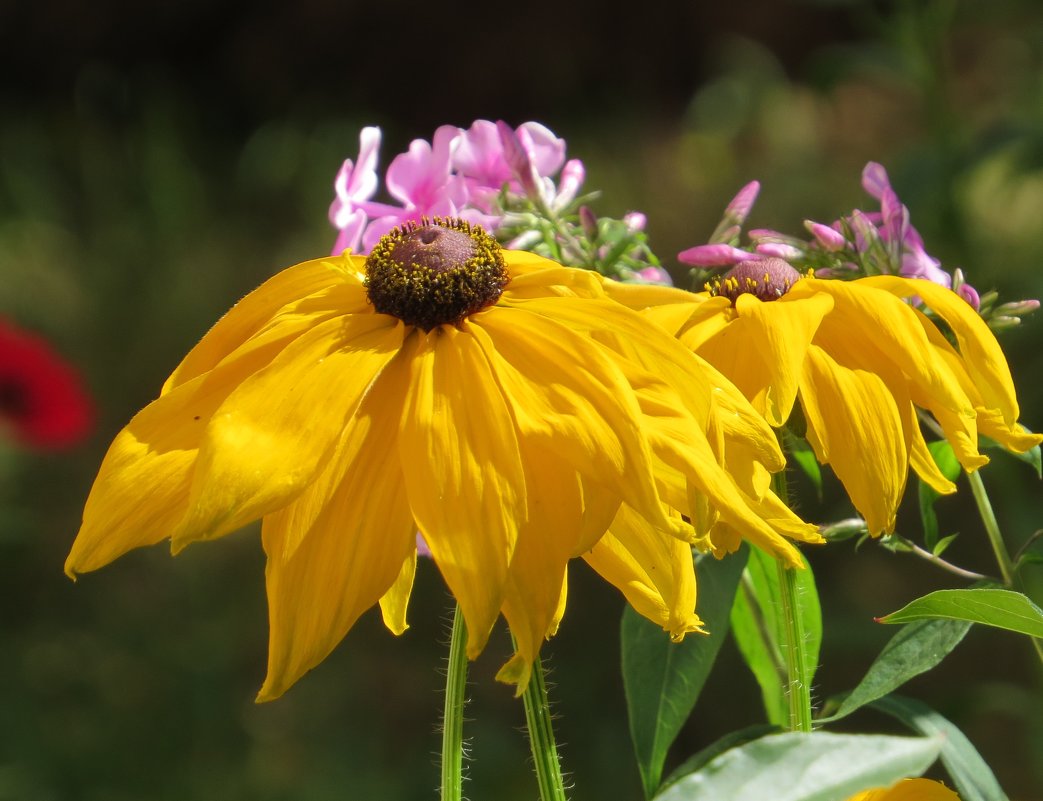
x: 503, y: 406
x: 861, y: 360
x: 909, y: 790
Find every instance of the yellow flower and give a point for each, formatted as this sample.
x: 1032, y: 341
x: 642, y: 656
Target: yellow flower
x: 909, y: 790
x: 500, y: 404
x: 861, y: 360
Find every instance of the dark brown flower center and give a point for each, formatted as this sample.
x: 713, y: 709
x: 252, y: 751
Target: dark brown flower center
x: 767, y: 279
x: 435, y: 272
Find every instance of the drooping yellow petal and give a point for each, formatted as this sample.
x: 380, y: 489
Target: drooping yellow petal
x: 395, y: 602
x: 268, y: 439
x: 780, y: 332
x: 1018, y: 438
x: 855, y: 426
x: 909, y: 790
x: 887, y: 328
x: 463, y: 472
x: 352, y: 552
x: 142, y: 487
x: 982, y: 354
x: 952, y: 408
x: 547, y: 540
x: 654, y: 572
x: 568, y: 396
x: 313, y: 289
x: 677, y: 440
x: 626, y: 333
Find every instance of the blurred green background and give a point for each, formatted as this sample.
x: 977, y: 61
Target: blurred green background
x: 157, y: 161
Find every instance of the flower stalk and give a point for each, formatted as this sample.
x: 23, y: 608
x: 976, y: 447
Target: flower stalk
x: 541, y: 737
x: 999, y: 548
x: 798, y: 693
x: 453, y: 716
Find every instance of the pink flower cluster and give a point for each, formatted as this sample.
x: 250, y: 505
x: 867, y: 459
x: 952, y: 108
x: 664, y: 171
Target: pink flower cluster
x: 876, y: 242
x: 460, y: 173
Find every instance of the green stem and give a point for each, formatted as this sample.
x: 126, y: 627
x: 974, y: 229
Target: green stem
x: 541, y: 737
x: 999, y: 548
x: 798, y: 693
x: 992, y: 528
x: 453, y: 717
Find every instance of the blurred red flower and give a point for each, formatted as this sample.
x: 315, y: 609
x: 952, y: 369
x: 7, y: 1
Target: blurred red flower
x: 43, y: 403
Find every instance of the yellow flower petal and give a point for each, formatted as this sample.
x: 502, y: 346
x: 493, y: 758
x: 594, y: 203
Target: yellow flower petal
x: 142, y: 487
x: 537, y: 574
x: 982, y: 354
x: 881, y: 323
x: 268, y: 439
x: 569, y: 397
x: 352, y: 552
x: 463, y: 472
x: 780, y: 336
x: 305, y: 290
x: 855, y: 426
x: 909, y: 790
x: 395, y: 602
x: 655, y: 573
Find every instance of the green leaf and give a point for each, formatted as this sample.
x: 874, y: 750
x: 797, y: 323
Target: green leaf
x: 715, y: 749
x: 806, y: 767
x: 805, y: 459
x: 757, y: 625
x: 913, y: 650
x: 663, y: 679
x: 944, y: 457
x: 1003, y: 609
x: 973, y: 778
x: 942, y: 544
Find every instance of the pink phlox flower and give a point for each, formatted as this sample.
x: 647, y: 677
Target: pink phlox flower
x: 653, y: 275
x: 635, y: 221
x: 970, y: 294
x: 829, y: 238
x: 354, y: 185
x: 738, y: 209
x: 422, y: 180
x: 715, y: 255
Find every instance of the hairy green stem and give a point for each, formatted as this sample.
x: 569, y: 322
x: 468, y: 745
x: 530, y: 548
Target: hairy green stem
x: 541, y: 737
x: 798, y: 693
x: 453, y: 717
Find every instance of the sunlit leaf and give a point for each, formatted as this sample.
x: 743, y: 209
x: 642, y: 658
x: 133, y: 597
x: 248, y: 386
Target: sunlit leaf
x: 806, y: 767
x: 1003, y: 609
x: 915, y: 649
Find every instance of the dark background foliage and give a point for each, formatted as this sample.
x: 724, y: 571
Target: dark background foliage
x: 158, y: 160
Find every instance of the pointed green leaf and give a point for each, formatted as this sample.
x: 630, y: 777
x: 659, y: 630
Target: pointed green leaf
x: 806, y: 767
x: 942, y: 544
x: 804, y: 457
x: 1003, y: 609
x: 915, y: 649
x: 757, y: 626
x: 662, y: 679
x: 944, y: 457
x: 973, y: 778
